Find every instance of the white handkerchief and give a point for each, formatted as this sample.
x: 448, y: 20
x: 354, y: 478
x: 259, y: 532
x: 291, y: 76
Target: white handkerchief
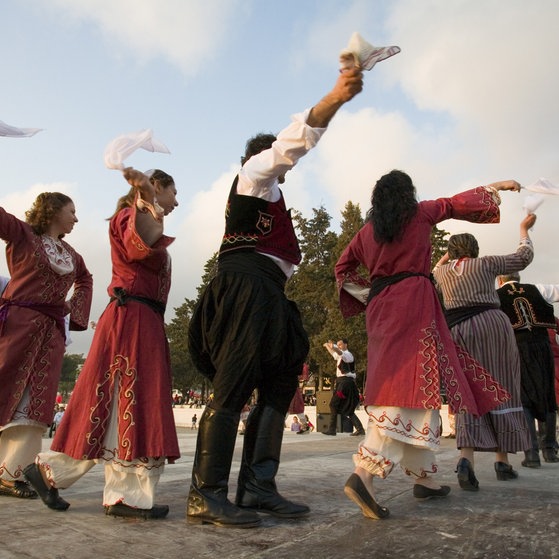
x: 532, y: 202
x: 543, y: 186
x: 123, y: 146
x: 13, y: 132
x: 361, y: 54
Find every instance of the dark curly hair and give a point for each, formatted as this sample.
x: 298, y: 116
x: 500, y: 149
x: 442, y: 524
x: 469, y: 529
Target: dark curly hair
x: 256, y: 144
x: 393, y: 204
x: 155, y: 176
x: 463, y: 244
x: 43, y: 210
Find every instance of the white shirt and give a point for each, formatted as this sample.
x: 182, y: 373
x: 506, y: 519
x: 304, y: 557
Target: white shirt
x: 347, y: 357
x: 259, y: 175
x: 550, y: 292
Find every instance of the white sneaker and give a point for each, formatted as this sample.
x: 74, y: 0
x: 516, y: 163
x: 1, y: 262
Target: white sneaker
x: 361, y: 54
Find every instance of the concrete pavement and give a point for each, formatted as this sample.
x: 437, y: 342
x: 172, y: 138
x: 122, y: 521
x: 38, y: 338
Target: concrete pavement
x: 505, y: 520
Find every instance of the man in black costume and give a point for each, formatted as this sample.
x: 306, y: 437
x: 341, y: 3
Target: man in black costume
x: 246, y: 335
x: 345, y: 396
x: 531, y: 313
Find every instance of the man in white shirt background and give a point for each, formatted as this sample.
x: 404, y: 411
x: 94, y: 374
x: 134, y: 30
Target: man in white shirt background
x: 345, y: 397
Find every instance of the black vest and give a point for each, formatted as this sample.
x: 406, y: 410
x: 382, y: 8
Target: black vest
x: 254, y: 224
x: 525, y: 306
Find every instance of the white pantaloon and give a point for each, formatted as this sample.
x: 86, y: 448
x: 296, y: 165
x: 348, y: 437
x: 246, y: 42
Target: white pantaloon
x: 399, y: 436
x: 132, y: 483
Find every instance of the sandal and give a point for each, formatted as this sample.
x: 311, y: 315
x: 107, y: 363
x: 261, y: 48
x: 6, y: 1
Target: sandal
x: 19, y: 489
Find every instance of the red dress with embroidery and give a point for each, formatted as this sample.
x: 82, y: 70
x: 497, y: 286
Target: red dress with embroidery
x: 409, y: 345
x: 128, y: 360
x: 31, y: 342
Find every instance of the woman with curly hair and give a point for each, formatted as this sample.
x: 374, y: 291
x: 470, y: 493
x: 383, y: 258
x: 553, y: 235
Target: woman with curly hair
x: 120, y: 413
x: 409, y: 348
x: 33, y: 310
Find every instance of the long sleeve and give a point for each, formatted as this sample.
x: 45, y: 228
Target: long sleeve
x: 550, y: 292
x: 259, y: 174
x: 80, y: 302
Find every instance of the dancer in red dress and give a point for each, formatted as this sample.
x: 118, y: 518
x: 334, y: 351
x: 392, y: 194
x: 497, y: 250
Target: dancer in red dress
x: 44, y: 268
x: 120, y: 412
x: 409, y: 348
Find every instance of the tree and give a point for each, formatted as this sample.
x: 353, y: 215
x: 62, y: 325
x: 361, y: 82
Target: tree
x: 185, y: 374
x: 312, y: 283
x: 71, y: 367
x: 439, y: 243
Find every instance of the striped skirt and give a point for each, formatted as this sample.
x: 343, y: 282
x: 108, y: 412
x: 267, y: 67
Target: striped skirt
x: 489, y: 338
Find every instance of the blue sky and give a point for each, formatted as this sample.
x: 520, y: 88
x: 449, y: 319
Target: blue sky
x: 471, y: 99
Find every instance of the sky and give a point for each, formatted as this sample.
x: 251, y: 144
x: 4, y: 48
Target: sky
x: 470, y: 99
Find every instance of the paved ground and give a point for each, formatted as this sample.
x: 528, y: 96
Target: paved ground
x: 504, y: 520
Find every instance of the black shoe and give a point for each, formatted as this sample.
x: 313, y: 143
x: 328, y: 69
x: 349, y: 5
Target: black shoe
x: 355, y: 489
x: 124, y: 511
x: 466, y: 477
x: 49, y: 495
x: 358, y: 433
x: 504, y: 471
x: 422, y: 492
x: 550, y: 455
x: 332, y: 433
x: 531, y: 459
x: 19, y: 489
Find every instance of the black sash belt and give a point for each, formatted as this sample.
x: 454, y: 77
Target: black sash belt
x: 382, y: 282
x: 122, y: 297
x: 459, y: 314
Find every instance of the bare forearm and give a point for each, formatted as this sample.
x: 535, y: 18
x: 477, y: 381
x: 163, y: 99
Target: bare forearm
x: 348, y: 85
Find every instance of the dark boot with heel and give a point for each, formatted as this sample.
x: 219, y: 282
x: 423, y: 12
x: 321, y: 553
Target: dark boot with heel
x: 49, y: 495
x: 466, y: 476
x: 531, y: 459
x: 504, y: 471
x: 333, y: 426
x: 207, y: 499
x: 256, y: 487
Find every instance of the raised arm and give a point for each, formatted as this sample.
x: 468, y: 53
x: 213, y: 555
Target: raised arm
x: 348, y: 85
x: 149, y: 221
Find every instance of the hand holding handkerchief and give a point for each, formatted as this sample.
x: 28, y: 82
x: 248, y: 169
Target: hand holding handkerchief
x: 123, y: 146
x: 361, y: 54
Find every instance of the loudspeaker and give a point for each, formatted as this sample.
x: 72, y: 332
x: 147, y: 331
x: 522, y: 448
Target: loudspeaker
x: 323, y: 398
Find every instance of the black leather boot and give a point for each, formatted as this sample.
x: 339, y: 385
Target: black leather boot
x: 261, y: 456
x: 359, y: 430
x: 207, y: 499
x: 332, y: 428
x: 531, y: 459
x: 549, y: 451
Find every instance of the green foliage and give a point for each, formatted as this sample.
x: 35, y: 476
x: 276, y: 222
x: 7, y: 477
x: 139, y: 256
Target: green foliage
x: 71, y: 367
x: 439, y: 243
x: 185, y: 374
x: 313, y: 288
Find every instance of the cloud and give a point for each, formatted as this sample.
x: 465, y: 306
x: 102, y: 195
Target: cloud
x: 489, y: 67
x: 185, y: 32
